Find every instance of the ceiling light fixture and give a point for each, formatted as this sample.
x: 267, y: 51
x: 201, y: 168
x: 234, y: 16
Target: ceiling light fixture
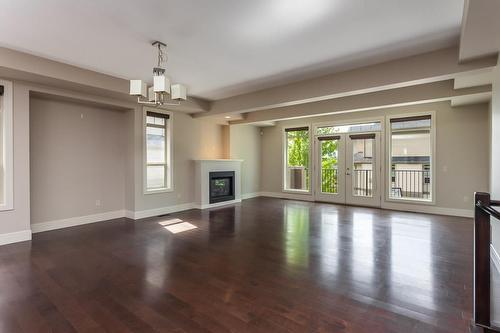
x: 157, y: 94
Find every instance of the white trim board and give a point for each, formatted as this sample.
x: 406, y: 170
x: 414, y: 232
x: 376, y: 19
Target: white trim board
x: 426, y: 209
x: 15, y: 237
x: 429, y: 209
x: 218, y: 204
x: 75, y: 221
x: 250, y: 195
x: 160, y: 211
x: 291, y: 196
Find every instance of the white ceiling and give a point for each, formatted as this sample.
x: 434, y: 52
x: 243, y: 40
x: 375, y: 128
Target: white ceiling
x: 221, y: 48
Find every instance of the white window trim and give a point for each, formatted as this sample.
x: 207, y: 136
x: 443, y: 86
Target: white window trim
x: 169, y: 154
x: 8, y: 146
x: 388, y: 142
x: 284, y: 161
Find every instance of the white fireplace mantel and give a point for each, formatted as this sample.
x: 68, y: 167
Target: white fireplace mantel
x: 202, y: 169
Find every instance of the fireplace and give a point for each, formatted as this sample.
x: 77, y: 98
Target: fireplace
x: 221, y: 186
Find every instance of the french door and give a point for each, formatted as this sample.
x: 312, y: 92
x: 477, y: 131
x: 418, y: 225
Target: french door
x: 347, y: 168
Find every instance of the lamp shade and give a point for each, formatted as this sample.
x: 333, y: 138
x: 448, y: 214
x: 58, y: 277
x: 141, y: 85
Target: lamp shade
x: 151, y: 94
x: 161, y: 84
x: 178, y: 92
x: 138, y: 88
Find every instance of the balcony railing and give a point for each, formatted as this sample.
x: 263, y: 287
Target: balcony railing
x: 329, y: 181
x: 485, y: 212
x: 362, y: 182
x: 297, y: 178
x: 411, y: 184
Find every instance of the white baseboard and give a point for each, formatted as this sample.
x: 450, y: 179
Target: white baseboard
x: 219, y: 204
x: 284, y: 195
x: 74, y: 221
x: 25, y: 235
x: 403, y: 207
x: 129, y: 214
x: 14, y: 237
x: 245, y: 196
x: 495, y: 257
x: 160, y: 211
x: 427, y: 209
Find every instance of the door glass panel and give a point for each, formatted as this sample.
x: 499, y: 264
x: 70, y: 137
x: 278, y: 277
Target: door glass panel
x: 362, y: 167
x: 329, y: 166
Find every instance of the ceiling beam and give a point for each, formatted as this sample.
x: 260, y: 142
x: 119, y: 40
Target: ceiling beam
x: 424, y: 68
x: 424, y: 93
x: 19, y: 66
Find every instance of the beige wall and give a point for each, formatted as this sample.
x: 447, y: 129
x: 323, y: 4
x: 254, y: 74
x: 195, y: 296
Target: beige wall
x: 193, y: 139
x: 245, y: 144
x: 78, y: 160
x: 18, y: 219
x: 462, y: 161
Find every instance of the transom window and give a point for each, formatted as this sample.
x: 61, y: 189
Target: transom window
x: 352, y: 128
x: 158, y: 152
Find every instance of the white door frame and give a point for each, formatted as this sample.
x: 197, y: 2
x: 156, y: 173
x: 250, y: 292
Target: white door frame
x: 338, y: 197
x: 380, y: 162
x: 375, y: 199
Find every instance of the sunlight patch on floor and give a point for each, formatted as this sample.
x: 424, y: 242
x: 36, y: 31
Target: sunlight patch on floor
x: 180, y: 227
x: 170, y: 221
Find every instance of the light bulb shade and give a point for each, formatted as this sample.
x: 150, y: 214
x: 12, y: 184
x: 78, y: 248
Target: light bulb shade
x: 151, y: 94
x: 138, y: 88
x: 178, y: 92
x: 161, y: 84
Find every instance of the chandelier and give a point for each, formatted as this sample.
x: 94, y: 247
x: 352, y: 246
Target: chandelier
x: 158, y: 94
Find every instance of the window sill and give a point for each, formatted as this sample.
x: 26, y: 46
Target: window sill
x: 6, y: 207
x: 158, y: 191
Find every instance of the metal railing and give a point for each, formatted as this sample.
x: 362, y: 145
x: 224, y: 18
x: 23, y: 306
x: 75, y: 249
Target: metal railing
x: 411, y: 184
x: 363, y: 182
x: 329, y: 181
x: 483, y: 213
x: 297, y: 178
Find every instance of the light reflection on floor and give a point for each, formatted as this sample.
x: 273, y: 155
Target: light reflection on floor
x: 297, y: 234
x: 363, y: 255
x: 411, y: 258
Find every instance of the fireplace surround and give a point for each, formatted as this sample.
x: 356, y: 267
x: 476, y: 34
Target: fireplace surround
x: 217, y: 182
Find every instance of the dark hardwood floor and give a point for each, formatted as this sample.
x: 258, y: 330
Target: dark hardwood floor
x: 267, y: 265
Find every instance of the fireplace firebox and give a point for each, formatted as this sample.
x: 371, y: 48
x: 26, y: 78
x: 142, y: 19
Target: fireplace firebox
x: 221, y: 185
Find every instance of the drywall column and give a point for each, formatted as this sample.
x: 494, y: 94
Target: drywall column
x: 245, y: 143
x: 15, y: 223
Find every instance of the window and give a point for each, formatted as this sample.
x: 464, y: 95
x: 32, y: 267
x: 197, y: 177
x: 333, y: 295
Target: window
x: 297, y: 156
x: 411, y: 158
x: 158, y: 167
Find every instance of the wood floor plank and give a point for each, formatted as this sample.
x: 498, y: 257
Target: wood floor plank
x: 265, y: 265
